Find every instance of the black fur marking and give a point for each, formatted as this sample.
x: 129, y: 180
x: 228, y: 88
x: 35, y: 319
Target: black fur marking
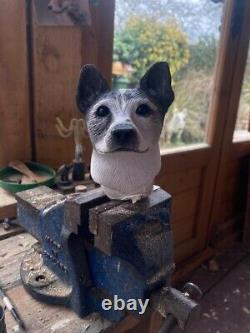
x: 156, y: 84
x: 91, y: 86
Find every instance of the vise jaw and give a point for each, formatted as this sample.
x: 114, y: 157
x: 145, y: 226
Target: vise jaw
x: 91, y: 248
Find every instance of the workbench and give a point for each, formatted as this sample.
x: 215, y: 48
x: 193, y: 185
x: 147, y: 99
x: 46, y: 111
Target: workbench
x: 43, y: 318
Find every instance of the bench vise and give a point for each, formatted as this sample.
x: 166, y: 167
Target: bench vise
x: 91, y: 248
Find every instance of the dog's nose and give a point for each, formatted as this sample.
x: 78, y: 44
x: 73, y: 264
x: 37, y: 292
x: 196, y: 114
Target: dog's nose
x: 50, y: 7
x: 123, y: 133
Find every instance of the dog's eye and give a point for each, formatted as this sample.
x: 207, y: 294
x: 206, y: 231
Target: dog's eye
x: 143, y: 110
x: 102, y: 111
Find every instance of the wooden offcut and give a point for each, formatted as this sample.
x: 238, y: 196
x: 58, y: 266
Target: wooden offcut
x: 8, y: 205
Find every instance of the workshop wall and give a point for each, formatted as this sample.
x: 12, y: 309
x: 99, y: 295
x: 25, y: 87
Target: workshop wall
x: 230, y: 215
x: 58, y: 53
x: 40, y: 66
x: 15, y: 140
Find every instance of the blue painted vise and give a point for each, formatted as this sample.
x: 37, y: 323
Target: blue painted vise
x: 91, y: 248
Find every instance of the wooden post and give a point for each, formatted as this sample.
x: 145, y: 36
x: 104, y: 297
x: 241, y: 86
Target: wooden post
x: 14, y: 92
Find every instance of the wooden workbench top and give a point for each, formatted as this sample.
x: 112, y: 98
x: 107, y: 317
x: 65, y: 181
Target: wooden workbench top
x: 43, y: 318
x: 38, y: 317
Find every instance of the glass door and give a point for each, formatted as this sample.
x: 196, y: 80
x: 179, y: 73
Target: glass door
x: 194, y: 37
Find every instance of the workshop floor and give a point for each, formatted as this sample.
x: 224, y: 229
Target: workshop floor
x: 226, y: 301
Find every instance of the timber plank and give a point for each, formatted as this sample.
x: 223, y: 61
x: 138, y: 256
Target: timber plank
x: 7, y: 205
x: 233, y: 168
x: 185, y: 250
x: 229, y: 228
x: 58, y: 54
x: 41, y: 318
x: 14, y: 92
x: 180, y: 181
x: 185, y: 204
x: 227, y: 211
x: 12, y: 250
x: 12, y: 231
x: 183, y: 229
x: 181, y: 159
x: 228, y: 240
x: 57, y: 59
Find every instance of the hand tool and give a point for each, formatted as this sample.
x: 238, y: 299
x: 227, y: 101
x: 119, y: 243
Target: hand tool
x: 7, y: 302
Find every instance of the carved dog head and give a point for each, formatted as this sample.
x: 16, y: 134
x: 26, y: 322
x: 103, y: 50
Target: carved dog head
x: 129, y: 119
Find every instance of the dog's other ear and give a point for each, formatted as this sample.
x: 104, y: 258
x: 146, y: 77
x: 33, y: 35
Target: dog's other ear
x: 91, y: 86
x: 156, y: 84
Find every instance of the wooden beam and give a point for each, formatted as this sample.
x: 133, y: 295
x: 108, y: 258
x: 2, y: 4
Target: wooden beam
x: 246, y: 234
x: 229, y: 77
x: 14, y: 92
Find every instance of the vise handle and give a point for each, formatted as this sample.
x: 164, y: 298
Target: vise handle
x: 179, y: 308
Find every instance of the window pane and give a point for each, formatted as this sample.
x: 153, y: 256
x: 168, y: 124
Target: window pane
x: 243, y: 118
x: 183, y: 32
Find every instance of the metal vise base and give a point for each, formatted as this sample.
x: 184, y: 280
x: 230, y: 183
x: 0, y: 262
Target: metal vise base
x: 92, y: 248
x: 40, y: 281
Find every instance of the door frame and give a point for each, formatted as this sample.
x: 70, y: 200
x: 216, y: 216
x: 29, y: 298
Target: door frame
x: 210, y: 156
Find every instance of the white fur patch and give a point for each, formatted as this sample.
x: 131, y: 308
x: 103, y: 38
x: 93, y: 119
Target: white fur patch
x: 126, y: 175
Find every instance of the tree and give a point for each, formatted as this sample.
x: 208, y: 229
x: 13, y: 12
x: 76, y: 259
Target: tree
x: 144, y: 41
x: 203, y: 54
x: 192, y: 95
x: 196, y: 18
x: 187, y: 34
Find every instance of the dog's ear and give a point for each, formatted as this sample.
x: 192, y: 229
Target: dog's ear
x: 91, y: 86
x: 156, y: 84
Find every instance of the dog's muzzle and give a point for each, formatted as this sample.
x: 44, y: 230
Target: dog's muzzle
x: 124, y: 136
